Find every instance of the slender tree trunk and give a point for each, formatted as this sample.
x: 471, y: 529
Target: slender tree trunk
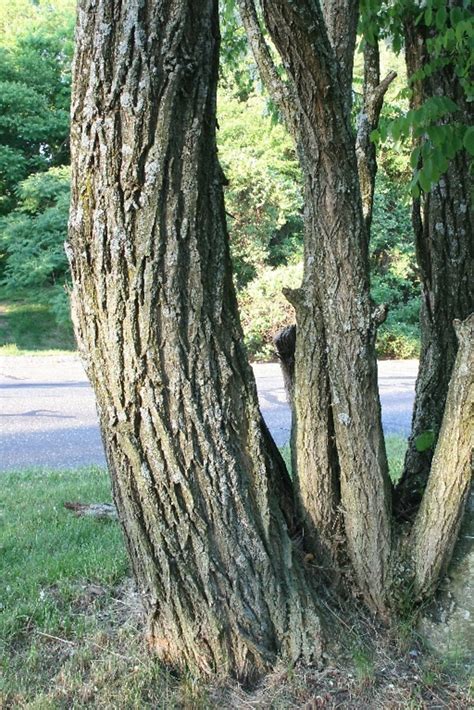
x: 367, y: 121
x: 443, y: 225
x: 313, y: 446
x: 439, y: 517
x: 336, y: 285
x: 202, y: 493
x: 339, y: 453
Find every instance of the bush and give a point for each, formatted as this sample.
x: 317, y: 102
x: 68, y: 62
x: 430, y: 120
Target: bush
x: 263, y: 198
x: 32, y: 241
x: 394, y: 275
x: 264, y: 309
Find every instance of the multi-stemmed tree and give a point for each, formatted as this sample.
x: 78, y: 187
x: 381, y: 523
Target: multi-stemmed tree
x: 204, y: 498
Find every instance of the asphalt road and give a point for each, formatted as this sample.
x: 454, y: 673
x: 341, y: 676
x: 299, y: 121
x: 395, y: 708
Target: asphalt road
x: 48, y: 417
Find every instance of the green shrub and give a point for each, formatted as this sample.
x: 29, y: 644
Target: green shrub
x: 263, y: 198
x: 394, y: 278
x: 32, y: 241
x: 264, y: 309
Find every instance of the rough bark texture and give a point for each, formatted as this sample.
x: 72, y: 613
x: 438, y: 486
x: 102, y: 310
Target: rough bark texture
x: 444, y: 225
x: 334, y: 312
x: 197, y: 481
x: 367, y: 121
x: 341, y: 18
x: 439, y: 518
x: 313, y: 445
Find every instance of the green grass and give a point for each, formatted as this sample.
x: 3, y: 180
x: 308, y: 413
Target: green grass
x: 47, y: 552
x: 28, y: 326
x: 72, y: 632
x: 395, y: 445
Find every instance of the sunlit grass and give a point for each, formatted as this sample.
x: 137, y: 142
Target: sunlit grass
x: 395, y: 445
x: 28, y: 326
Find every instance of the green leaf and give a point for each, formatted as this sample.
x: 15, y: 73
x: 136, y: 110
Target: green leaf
x: 375, y: 137
x: 437, y: 134
x: 456, y: 15
x: 395, y: 130
x: 428, y: 170
x: 440, y: 161
x: 425, y: 440
x: 441, y: 17
x: 414, y: 157
x: 424, y: 181
x: 468, y: 141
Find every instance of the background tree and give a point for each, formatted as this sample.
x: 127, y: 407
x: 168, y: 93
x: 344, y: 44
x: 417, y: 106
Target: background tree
x: 35, y: 57
x: 438, y: 56
x: 263, y: 197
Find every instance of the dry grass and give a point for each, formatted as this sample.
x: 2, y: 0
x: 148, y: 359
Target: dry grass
x: 107, y: 666
x: 72, y: 628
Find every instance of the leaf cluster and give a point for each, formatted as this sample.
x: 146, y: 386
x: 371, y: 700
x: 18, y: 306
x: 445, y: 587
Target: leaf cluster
x: 35, y: 87
x: 32, y: 238
x: 437, y: 127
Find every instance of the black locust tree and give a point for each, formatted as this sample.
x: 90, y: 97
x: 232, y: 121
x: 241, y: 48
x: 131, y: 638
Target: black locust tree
x: 204, y: 498
x: 202, y: 492
x: 338, y: 451
x: 443, y: 224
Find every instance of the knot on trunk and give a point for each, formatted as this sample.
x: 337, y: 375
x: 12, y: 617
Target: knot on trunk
x: 295, y: 297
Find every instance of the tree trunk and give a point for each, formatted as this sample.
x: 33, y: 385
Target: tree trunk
x: 313, y: 447
x: 439, y: 518
x: 202, y: 493
x: 443, y: 225
x: 367, y: 121
x: 335, y: 290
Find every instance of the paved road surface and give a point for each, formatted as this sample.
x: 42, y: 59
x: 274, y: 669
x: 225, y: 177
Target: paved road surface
x: 48, y: 417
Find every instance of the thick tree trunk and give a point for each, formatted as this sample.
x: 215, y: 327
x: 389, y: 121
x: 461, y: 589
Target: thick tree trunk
x: 202, y: 493
x: 443, y: 224
x: 439, y: 518
x: 335, y: 290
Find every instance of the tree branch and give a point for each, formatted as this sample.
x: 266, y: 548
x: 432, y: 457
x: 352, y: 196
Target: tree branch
x: 373, y: 96
x: 280, y: 92
x: 440, y: 515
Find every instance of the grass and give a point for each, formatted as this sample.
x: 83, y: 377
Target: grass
x: 395, y: 445
x: 28, y: 326
x: 71, y: 625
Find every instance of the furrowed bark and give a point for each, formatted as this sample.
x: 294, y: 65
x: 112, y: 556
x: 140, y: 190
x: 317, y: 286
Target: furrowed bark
x: 313, y: 448
x: 202, y: 493
x: 314, y: 454
x: 443, y: 224
x: 336, y: 283
x: 439, y: 518
x: 341, y: 18
x: 367, y: 121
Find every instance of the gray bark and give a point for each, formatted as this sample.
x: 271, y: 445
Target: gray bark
x: 202, y: 493
x: 367, y: 121
x: 338, y: 451
x: 334, y: 313
x: 443, y: 224
x: 440, y: 515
